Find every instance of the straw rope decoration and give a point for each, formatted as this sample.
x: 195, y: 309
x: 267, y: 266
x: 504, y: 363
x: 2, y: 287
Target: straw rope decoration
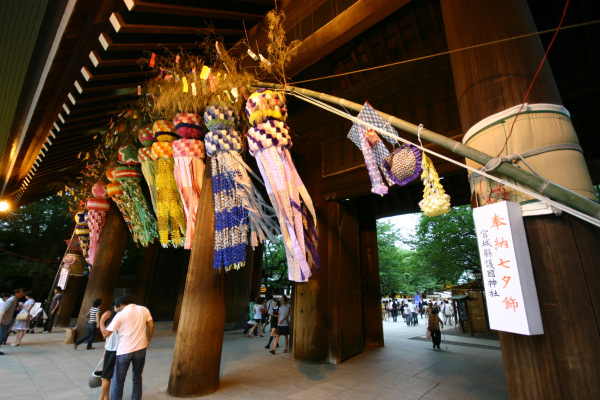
x: 141, y: 218
x: 169, y: 209
x: 435, y: 200
x: 188, y: 157
x: 97, y: 207
x: 82, y: 231
x: 269, y: 142
x: 147, y: 163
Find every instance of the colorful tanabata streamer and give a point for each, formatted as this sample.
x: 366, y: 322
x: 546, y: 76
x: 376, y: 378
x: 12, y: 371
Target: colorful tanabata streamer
x: 269, y: 142
x: 373, y: 149
x: 97, y: 207
x: 83, y: 232
x: 169, y: 209
x: 129, y: 175
x: 435, y: 200
x: 115, y: 191
x: 146, y: 138
x: 188, y: 156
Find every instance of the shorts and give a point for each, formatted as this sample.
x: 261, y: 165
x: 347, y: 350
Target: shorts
x: 283, y: 330
x: 257, y: 320
x: 109, y: 364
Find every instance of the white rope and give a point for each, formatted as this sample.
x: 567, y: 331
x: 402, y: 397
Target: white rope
x: 521, y: 189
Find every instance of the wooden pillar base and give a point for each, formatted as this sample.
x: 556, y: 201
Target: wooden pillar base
x: 197, y: 356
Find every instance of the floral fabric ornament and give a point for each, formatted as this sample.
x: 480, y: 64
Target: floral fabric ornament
x: 147, y: 163
x: 115, y: 191
x: 169, y: 209
x: 269, y: 142
x: 435, y: 200
x: 97, y: 207
x: 82, y: 231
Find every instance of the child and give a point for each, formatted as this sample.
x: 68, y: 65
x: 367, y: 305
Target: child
x: 91, y: 326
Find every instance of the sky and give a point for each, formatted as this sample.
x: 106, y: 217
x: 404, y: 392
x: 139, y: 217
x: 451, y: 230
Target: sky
x: 407, y: 223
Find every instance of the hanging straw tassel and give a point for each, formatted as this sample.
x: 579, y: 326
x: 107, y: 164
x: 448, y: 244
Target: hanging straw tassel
x: 435, y: 200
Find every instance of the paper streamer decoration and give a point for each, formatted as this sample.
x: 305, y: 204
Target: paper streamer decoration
x: 269, y: 142
x: 97, y: 207
x: 147, y: 164
x: 373, y: 149
x: 169, y: 209
x: 142, y: 220
x: 83, y: 232
x: 188, y: 158
x: 435, y: 200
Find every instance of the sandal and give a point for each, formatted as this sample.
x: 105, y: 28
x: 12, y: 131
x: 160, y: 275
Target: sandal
x: 285, y: 351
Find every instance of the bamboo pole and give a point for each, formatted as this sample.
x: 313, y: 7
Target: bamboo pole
x: 538, y: 184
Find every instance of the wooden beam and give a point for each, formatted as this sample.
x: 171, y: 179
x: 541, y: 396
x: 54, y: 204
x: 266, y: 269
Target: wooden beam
x: 103, y: 77
x: 160, y: 8
x: 347, y: 25
x: 108, y: 45
x: 100, y: 63
x: 121, y: 26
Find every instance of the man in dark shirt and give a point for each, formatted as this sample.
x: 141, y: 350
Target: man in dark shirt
x: 54, y: 307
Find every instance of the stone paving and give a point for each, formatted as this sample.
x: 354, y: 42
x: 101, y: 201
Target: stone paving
x: 43, y: 367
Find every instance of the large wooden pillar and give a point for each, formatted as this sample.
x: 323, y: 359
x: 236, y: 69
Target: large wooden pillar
x: 197, y: 356
x: 146, y: 273
x: 69, y: 299
x: 369, y: 259
x: 239, y: 290
x: 562, y: 363
x: 105, y: 271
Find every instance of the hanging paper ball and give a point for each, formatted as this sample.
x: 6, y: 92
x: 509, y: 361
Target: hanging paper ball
x: 145, y: 154
x: 129, y: 173
x: 162, y: 150
x: 81, y: 225
x: 128, y: 155
x: 146, y: 136
x: 225, y: 139
x: 188, y: 125
x: 164, y: 131
x: 99, y: 190
x: 111, y: 174
x: 264, y: 104
x: 97, y: 204
x: 189, y: 148
x: 217, y: 117
x: 267, y: 134
x: 114, y: 189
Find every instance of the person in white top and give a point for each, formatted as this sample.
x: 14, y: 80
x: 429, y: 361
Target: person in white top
x: 131, y: 322
x: 110, y: 352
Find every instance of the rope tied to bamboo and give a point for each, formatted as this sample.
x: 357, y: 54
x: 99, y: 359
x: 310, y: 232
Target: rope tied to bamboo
x: 496, y: 161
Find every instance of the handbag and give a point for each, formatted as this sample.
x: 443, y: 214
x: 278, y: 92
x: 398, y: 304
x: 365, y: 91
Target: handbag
x: 95, y: 379
x: 23, y: 317
x: 428, y: 334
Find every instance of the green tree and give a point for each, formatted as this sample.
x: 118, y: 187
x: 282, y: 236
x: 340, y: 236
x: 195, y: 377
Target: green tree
x: 36, y: 231
x: 274, y: 269
x: 446, y: 245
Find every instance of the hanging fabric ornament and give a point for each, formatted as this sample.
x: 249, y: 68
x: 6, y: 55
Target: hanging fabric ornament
x: 435, y: 200
x: 146, y: 137
x: 188, y: 157
x: 169, y: 209
x: 141, y: 219
x: 97, y: 207
x: 269, y: 142
x: 404, y: 164
x: 373, y: 149
x: 115, y: 191
x: 83, y: 232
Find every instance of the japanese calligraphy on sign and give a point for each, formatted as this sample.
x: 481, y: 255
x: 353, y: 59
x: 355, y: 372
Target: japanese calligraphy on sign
x: 506, y: 269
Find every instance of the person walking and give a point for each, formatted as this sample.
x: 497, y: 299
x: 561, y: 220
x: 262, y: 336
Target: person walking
x: 283, y: 324
x: 395, y: 310
x: 91, y: 326
x: 274, y: 318
x: 7, y: 312
x: 53, y: 310
x: 110, y: 353
x: 23, y: 317
x: 434, y: 327
x: 258, y: 312
x: 448, y: 311
x: 131, y: 321
x: 414, y: 311
x: 407, y: 315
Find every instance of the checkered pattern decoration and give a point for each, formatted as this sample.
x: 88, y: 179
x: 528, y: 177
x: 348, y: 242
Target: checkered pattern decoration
x: 97, y: 209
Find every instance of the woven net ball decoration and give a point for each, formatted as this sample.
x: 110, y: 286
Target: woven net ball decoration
x: 97, y: 207
x: 188, y: 158
x: 435, y: 200
x: 269, y: 142
x: 169, y: 209
x: 83, y: 232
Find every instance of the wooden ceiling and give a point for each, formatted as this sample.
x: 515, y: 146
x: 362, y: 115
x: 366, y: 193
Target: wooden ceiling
x: 83, y: 68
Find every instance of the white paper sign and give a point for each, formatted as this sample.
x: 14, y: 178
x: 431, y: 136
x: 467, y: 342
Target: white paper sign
x: 63, y: 278
x: 510, y: 291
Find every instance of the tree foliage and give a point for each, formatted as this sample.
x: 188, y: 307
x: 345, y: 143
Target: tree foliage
x: 36, y: 231
x: 274, y: 269
x: 446, y: 246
